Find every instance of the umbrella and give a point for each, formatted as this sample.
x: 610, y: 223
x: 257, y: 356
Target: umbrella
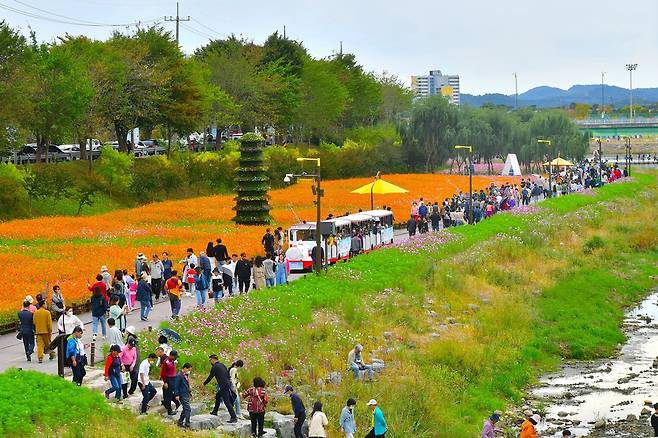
x: 380, y: 187
x: 559, y: 162
x: 170, y: 334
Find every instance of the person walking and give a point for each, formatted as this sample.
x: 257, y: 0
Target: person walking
x: 168, y: 377
x: 379, y: 426
x: 145, y: 385
x: 221, y: 253
x: 113, y: 372
x: 114, y: 334
x: 183, y: 394
x: 235, y: 384
x: 144, y: 297
x: 168, y: 266
x: 281, y: 270
x: 268, y: 241
x: 57, y: 304
x: 128, y: 358
x: 67, y: 322
x: 173, y: 287
x: 227, y: 270
x: 298, y: 410
x: 257, y: 400
x: 75, y: 356
x: 43, y: 328
x: 317, y: 427
x: 259, y: 273
x: 346, y: 421
x: 98, y: 309
x: 205, y: 266
x: 219, y: 372
x: 200, y: 286
x: 118, y: 314
x: 270, y: 275
x: 243, y: 273
x: 26, y: 329
x: 217, y: 284
x: 489, y: 429
x: 157, y: 272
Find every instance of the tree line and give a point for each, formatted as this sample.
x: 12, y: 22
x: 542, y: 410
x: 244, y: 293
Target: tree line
x: 79, y: 88
x: 434, y: 127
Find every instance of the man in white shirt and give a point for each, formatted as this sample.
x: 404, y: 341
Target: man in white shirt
x: 148, y: 391
x: 115, y: 337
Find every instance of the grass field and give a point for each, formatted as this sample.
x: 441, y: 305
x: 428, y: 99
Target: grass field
x: 463, y: 324
x: 70, y: 250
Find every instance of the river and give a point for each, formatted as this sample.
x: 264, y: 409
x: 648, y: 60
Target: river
x: 581, y: 394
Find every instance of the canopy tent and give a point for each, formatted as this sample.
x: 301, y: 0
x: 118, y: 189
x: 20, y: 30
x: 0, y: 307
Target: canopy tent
x: 380, y: 187
x: 559, y: 162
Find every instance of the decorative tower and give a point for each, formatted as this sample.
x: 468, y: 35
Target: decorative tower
x: 251, y: 204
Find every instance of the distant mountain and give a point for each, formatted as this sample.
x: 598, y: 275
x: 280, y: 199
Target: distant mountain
x: 549, y: 97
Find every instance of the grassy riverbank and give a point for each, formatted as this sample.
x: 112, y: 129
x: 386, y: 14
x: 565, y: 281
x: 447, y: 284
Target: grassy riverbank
x: 464, y: 325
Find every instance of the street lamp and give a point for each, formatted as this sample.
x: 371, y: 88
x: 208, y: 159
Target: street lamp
x: 318, y: 192
x: 630, y: 68
x: 550, y: 172
x: 628, y: 156
x: 470, y: 181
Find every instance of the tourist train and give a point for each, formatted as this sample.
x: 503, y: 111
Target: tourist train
x: 341, y: 237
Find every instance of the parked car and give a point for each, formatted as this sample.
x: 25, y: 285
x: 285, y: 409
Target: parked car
x: 148, y: 147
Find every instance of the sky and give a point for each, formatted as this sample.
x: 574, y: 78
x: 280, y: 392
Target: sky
x: 558, y: 43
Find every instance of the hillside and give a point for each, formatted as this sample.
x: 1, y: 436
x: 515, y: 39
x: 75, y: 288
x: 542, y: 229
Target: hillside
x: 549, y: 97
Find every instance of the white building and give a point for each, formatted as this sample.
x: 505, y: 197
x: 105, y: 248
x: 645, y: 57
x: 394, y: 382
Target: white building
x: 436, y: 83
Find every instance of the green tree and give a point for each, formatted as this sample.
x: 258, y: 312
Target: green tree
x: 116, y: 169
x: 396, y: 98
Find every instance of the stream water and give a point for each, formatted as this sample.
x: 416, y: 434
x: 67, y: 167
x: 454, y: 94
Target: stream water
x: 582, y: 393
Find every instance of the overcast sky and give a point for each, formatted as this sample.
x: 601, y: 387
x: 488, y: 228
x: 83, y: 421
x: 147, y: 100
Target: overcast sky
x: 557, y: 43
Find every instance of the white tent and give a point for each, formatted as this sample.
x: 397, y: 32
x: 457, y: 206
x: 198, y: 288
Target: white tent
x: 511, y: 167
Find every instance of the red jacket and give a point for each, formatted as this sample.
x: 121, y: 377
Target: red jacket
x: 103, y: 288
x: 112, y: 363
x: 167, y: 370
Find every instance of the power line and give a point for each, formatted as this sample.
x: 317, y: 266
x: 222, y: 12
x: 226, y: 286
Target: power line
x: 197, y: 32
x: 61, y: 16
x: 208, y: 28
x: 70, y: 21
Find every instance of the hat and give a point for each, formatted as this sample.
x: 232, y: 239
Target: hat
x: 130, y: 329
x: 494, y: 417
x: 372, y: 402
x: 29, y: 299
x: 536, y: 418
x: 103, y: 268
x: 287, y: 389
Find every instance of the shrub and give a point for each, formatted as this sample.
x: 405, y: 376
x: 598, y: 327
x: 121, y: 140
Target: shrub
x: 116, y: 169
x: 592, y: 244
x: 13, y: 196
x: 155, y: 178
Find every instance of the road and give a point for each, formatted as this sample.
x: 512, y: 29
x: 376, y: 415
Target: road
x: 13, y: 354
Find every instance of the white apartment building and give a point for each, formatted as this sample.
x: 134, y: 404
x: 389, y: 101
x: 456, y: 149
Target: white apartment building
x: 436, y: 83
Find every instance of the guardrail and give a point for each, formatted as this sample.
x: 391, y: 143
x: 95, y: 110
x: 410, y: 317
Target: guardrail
x: 644, y: 121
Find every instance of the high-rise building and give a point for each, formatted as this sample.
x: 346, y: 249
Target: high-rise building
x: 436, y: 83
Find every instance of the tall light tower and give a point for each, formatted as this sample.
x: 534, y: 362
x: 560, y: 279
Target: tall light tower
x: 630, y: 68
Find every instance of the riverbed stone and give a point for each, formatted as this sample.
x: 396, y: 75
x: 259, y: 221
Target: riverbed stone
x: 600, y: 424
x: 631, y: 417
x: 645, y: 412
x: 648, y: 403
x: 562, y: 414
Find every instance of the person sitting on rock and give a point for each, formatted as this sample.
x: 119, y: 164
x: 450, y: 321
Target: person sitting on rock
x: 356, y: 364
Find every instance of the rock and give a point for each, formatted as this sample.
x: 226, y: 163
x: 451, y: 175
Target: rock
x: 205, y: 422
x: 562, y: 414
x: 283, y: 424
x: 388, y: 335
x: 568, y: 395
x: 435, y: 335
x: 631, y: 417
x: 474, y: 307
x: 241, y: 429
x: 451, y: 320
x: 600, y: 424
x: 433, y: 314
x: 645, y: 412
x: 648, y: 403
x: 335, y: 378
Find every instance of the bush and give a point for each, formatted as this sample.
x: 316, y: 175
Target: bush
x: 13, y: 196
x: 116, y: 169
x: 592, y: 244
x: 155, y: 178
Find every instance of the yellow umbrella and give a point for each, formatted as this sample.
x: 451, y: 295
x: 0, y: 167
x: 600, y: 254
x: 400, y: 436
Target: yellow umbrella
x: 380, y: 187
x: 559, y: 162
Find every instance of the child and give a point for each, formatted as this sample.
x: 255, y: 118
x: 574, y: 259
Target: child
x: 191, y: 280
x: 217, y: 285
x: 113, y: 372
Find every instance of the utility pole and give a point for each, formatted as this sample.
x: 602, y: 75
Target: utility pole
x: 284, y: 31
x: 177, y: 19
x: 341, y: 49
x: 602, y: 95
x: 630, y: 68
x: 516, y: 92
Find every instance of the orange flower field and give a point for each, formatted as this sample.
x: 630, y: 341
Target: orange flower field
x: 70, y: 250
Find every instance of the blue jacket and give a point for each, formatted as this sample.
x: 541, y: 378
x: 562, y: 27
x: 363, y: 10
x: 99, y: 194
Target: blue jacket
x: 346, y: 421
x: 143, y: 291
x: 26, y: 322
x: 181, y: 387
x: 380, y: 422
x: 422, y: 210
x: 204, y: 263
x: 72, y: 347
x: 297, y: 406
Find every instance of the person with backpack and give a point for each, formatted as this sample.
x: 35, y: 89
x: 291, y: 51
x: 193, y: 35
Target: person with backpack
x: 317, y: 427
x: 75, y: 356
x: 173, y: 287
x: 198, y: 279
x: 257, y: 400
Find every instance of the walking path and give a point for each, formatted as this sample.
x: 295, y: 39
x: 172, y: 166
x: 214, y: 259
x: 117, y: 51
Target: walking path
x: 13, y: 353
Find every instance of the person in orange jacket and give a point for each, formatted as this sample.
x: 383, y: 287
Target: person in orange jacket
x: 528, y: 427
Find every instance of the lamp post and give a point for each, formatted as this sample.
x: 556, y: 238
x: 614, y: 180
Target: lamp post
x: 470, y: 180
x: 630, y: 68
x: 318, y: 192
x: 550, y: 171
x: 628, y: 156
x: 598, y: 140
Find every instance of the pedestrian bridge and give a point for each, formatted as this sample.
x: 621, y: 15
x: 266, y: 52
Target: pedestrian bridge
x: 639, y: 126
